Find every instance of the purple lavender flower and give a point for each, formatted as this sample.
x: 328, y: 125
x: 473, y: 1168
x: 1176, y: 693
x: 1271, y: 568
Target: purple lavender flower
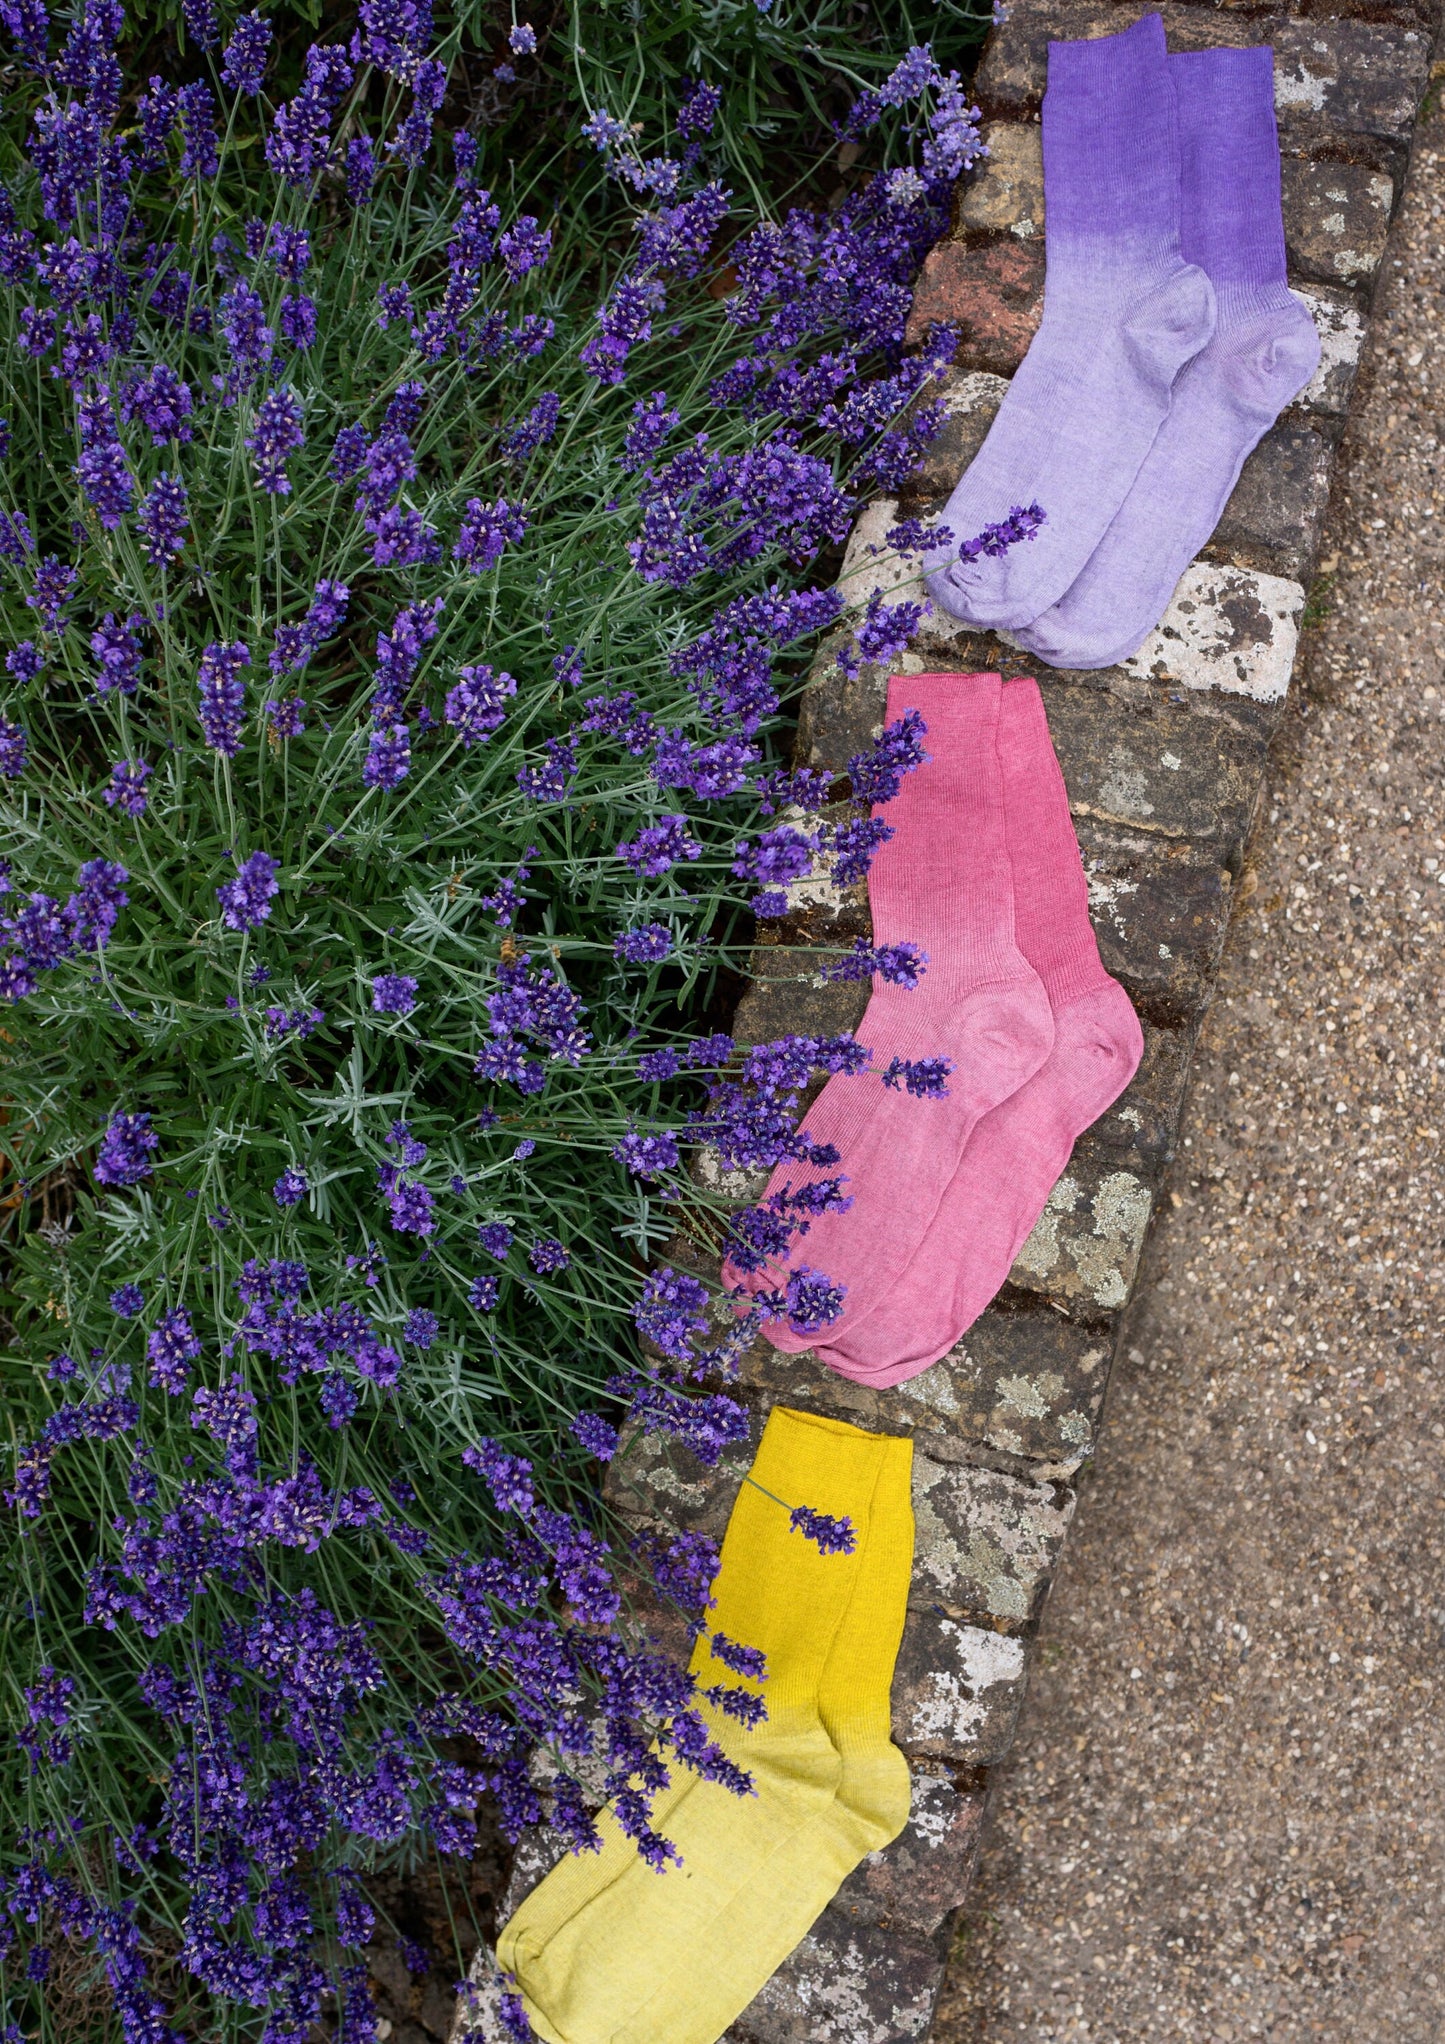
x: 411, y: 1205
x: 201, y: 24
x: 877, y: 775
x: 245, y: 332
x: 672, y: 1308
x: 388, y: 757
x: 348, y: 452
x: 393, y: 993
x: 26, y: 662
x: 923, y: 1077
x: 171, y: 1348
x: 995, y: 540
x: 698, y: 110
x: 483, y: 1293
x: 223, y: 696
x: 547, y: 1255
x: 525, y: 246
x: 125, y: 1151
x: 287, y: 716
x: 496, y: 1238
x: 474, y: 708
x: 161, y: 402
x: 899, y: 964
x: 360, y: 169
x: 595, y: 1435
x: 163, y: 520
x: 200, y: 150
x: 275, y: 435
x: 290, y: 1188
x: 299, y: 141
x: 14, y: 749
x: 658, y: 848
x: 420, y: 1328
x: 648, y: 1156
x: 246, y: 900
x: 244, y: 65
x: 649, y: 944
x: 522, y: 39
x: 550, y: 781
x: 486, y: 532
x: 105, y: 477
x: 127, y: 790
x: 828, y: 1535
x: 127, y: 1300
x: 117, y: 647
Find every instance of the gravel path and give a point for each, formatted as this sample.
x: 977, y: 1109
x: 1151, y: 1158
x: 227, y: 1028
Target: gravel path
x: 1224, y: 1817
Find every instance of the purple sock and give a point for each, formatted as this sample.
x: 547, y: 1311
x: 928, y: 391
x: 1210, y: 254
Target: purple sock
x: 1123, y: 312
x: 1263, y: 352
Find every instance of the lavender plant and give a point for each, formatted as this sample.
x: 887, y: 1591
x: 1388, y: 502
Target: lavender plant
x: 399, y: 600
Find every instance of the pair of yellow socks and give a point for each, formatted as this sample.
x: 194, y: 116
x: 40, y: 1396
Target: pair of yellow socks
x: 606, y: 1951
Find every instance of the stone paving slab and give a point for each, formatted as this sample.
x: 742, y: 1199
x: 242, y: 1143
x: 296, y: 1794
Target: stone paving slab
x: 1336, y: 217
x: 1274, y: 517
x: 957, y: 1689
x: 1334, y: 78
x: 1341, y: 327
x: 1085, y: 1248
x: 1008, y: 193
x: 1160, y: 910
x: 993, y: 294
x: 847, y: 1983
x: 1026, y: 1383
x: 913, y: 1884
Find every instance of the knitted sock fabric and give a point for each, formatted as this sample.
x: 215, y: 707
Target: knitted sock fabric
x: 1123, y: 313
x: 944, y: 882
x: 606, y: 1951
x: 1016, y: 1154
x: 1263, y: 352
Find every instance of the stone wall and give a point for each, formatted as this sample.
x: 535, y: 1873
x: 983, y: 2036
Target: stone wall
x: 1164, y: 759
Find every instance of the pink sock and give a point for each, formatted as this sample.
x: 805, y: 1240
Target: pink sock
x: 943, y: 882
x: 1017, y: 1153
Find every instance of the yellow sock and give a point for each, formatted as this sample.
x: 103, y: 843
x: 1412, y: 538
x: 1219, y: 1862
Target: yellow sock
x: 606, y: 1950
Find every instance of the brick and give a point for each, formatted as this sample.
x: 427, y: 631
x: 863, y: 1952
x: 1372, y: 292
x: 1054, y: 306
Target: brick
x: 984, y: 1542
x: 957, y: 1690
x: 1006, y: 194
x: 1228, y: 629
x: 1085, y: 1247
x: 1277, y: 508
x: 972, y: 398
x: 1028, y: 1383
x: 1341, y: 328
x: 845, y: 1983
x: 1160, y: 910
x: 993, y: 294
x: 1336, y: 216
x: 914, y: 1883
x: 1165, y: 769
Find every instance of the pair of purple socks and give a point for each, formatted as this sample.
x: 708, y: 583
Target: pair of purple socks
x: 1169, y: 345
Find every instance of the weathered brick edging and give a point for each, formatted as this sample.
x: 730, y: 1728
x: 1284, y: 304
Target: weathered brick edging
x: 1164, y: 760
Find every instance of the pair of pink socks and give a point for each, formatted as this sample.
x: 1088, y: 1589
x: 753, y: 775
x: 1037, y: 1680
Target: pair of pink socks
x: 983, y: 871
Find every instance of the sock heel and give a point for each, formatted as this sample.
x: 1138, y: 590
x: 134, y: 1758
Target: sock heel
x: 1007, y: 1032
x: 1271, y: 370
x: 1171, y: 326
